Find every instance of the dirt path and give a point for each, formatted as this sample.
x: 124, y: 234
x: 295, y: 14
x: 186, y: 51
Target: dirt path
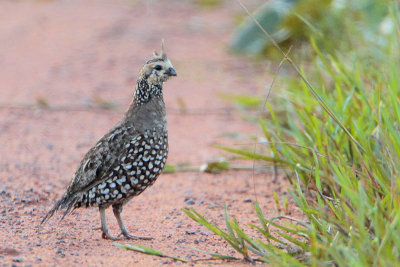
x: 73, y: 53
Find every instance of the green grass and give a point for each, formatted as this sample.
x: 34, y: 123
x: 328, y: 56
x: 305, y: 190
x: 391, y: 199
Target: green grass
x: 149, y: 251
x: 338, y: 142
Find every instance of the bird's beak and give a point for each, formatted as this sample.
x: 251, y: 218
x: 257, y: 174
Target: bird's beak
x: 171, y: 72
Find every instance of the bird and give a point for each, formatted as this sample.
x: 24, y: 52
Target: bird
x: 130, y: 157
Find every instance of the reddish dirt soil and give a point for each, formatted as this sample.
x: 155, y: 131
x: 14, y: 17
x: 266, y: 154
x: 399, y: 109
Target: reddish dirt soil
x: 70, y: 54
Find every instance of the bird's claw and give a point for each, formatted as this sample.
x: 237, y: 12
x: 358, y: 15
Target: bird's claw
x: 123, y: 236
x: 134, y: 237
x: 110, y: 237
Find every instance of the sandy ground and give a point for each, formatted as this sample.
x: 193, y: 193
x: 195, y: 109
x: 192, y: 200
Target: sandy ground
x: 71, y: 54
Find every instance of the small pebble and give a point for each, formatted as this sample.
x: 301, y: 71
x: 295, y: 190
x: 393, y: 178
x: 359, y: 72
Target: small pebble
x: 17, y: 260
x: 189, y: 232
x: 49, y: 146
x: 247, y: 200
x: 38, y: 259
x: 59, y: 251
x: 189, y: 201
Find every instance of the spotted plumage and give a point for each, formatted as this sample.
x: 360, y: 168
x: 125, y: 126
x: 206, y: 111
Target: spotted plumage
x: 130, y: 157
x: 144, y: 158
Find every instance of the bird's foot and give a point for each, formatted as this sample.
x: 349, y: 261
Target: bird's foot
x: 134, y: 237
x: 106, y: 235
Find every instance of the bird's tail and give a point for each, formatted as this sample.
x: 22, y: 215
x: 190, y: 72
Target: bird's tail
x: 67, y: 202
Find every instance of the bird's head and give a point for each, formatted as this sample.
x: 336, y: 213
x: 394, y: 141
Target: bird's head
x: 158, y: 69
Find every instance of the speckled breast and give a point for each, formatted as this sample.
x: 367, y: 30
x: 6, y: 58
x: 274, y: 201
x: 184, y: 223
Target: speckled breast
x: 136, y: 170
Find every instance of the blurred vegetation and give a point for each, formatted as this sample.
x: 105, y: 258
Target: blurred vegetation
x: 331, y: 23
x: 208, y: 3
x: 337, y: 139
x: 243, y: 101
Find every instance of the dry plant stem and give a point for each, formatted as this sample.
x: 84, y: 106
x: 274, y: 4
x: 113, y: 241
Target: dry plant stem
x: 265, y: 103
x: 223, y: 111
x: 261, y: 109
x: 275, y: 78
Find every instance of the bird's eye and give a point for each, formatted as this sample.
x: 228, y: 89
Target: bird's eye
x: 157, y: 67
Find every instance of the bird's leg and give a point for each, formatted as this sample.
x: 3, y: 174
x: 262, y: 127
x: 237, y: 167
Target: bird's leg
x: 104, y: 227
x: 117, y: 208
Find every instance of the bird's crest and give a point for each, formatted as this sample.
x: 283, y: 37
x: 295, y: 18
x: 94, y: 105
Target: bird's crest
x: 163, y: 55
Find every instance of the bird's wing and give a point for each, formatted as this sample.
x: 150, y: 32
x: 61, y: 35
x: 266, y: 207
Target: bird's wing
x: 101, y: 158
x: 95, y: 166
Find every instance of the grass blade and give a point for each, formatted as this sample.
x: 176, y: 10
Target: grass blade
x: 148, y: 251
